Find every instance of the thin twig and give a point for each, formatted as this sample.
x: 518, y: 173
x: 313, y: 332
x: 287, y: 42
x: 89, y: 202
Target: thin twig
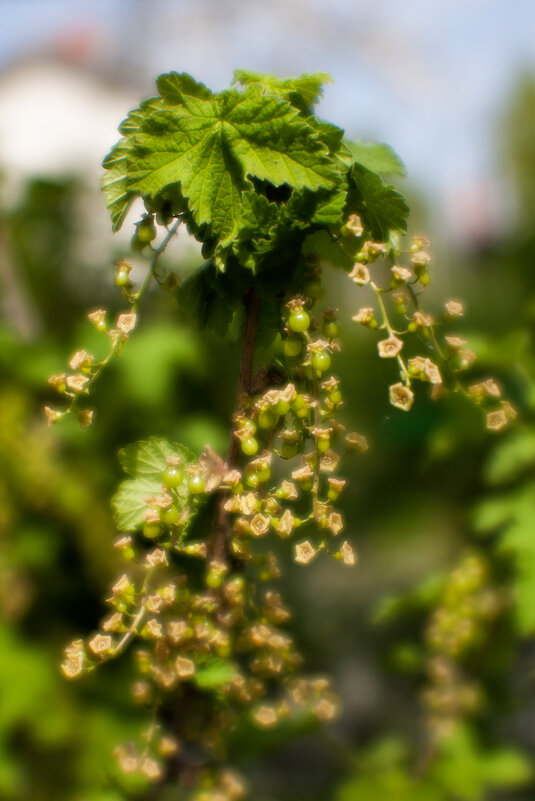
x: 252, y: 311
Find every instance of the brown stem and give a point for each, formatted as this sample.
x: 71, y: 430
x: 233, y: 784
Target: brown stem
x: 252, y: 311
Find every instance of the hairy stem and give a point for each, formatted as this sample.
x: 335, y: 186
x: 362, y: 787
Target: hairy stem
x: 252, y: 310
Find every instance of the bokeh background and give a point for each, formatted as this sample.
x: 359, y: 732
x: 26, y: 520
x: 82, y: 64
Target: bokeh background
x: 450, y: 84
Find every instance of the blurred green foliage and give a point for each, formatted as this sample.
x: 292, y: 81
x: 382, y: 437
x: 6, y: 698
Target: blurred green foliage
x: 433, y: 489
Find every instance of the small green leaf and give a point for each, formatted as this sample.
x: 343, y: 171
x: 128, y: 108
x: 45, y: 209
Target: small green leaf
x: 376, y: 157
x: 511, y: 457
x: 309, y: 87
x: 148, y: 458
x: 145, y: 462
x: 175, y: 86
x: 382, y: 208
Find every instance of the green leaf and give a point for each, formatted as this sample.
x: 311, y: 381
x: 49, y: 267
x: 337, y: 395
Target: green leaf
x: 468, y: 771
x: 309, y: 87
x: 327, y: 250
x: 145, y: 462
x: 511, y: 457
x: 211, y: 297
x: 382, y: 208
x: 492, y: 513
x: 211, y: 146
x: 115, y: 184
x: 175, y: 86
x: 376, y: 157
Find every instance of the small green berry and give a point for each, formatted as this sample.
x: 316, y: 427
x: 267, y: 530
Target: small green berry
x: 335, y: 396
x: 196, y: 484
x: 299, y: 321
x: 292, y: 347
x: 121, y: 279
x: 171, y: 516
x: 172, y: 477
x: 249, y: 446
x: 331, y: 329
x: 320, y: 361
x: 253, y: 480
x: 266, y: 419
x: 151, y: 530
x: 282, y: 407
x: 288, y: 450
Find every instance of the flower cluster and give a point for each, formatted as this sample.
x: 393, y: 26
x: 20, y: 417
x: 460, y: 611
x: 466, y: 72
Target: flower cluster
x: 416, y: 330
x: 209, y: 629
x: 468, y: 605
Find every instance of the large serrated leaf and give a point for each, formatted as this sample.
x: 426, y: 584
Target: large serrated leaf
x: 211, y: 146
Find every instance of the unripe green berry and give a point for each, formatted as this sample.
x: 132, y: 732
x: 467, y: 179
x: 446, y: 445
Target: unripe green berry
x: 320, y: 361
x: 323, y: 445
x: 171, y: 516
x: 264, y: 474
x: 299, y: 321
x: 121, y: 279
x: 288, y: 450
x: 252, y: 480
x: 249, y: 446
x: 196, y: 484
x: 172, y: 477
x: 331, y: 329
x: 335, y: 396
x: 266, y: 419
x: 292, y: 347
x: 424, y: 279
x: 151, y: 530
x: 282, y: 407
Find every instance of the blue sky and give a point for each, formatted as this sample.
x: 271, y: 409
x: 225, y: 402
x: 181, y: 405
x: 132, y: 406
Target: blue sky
x: 428, y: 76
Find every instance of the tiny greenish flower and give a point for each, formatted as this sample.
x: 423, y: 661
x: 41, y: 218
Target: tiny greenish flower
x: 347, y: 554
x: 497, y: 420
x: 365, y: 316
x: 101, y: 644
x: 401, y: 274
x: 389, y: 348
x: 98, y: 318
x: 354, y: 225
x: 360, y: 274
x: 77, y: 382
x: 329, y: 461
x: 304, y: 553
x: 81, y: 359
x: 126, y: 322
x: 265, y: 716
x: 401, y: 396
x: 454, y: 308
x: 286, y: 524
x: 259, y: 525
